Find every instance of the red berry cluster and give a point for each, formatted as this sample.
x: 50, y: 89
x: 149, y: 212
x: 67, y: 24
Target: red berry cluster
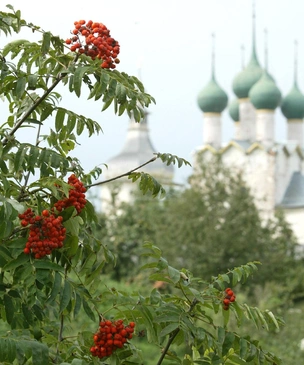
x: 76, y: 196
x: 46, y: 232
x: 111, y: 336
x: 229, y: 298
x: 97, y: 42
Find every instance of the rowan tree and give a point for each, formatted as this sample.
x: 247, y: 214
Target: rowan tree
x: 50, y: 261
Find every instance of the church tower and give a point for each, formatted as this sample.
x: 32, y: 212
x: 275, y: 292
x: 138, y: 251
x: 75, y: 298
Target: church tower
x: 242, y: 84
x: 212, y: 100
x: 137, y: 150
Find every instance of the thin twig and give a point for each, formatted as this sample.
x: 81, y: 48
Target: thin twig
x: 123, y: 175
x: 165, y: 350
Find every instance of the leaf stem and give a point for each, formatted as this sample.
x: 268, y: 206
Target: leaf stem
x: 122, y: 175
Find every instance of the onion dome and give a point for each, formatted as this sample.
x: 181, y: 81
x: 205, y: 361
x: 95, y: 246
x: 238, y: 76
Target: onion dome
x: 212, y: 99
x: 234, y: 110
x: 293, y: 103
x: 245, y: 79
x: 265, y: 94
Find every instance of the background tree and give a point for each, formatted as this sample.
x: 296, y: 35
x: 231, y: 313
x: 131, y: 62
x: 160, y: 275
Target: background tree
x: 209, y: 227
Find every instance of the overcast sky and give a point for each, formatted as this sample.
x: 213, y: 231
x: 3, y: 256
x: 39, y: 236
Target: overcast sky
x: 170, y: 42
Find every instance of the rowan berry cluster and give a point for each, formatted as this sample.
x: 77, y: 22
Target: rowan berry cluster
x: 76, y: 196
x: 94, y: 40
x: 111, y: 336
x: 46, y: 232
x: 229, y: 298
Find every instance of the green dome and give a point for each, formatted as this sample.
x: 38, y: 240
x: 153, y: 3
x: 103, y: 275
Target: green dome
x: 234, y: 110
x: 293, y: 104
x: 265, y: 94
x: 212, y: 99
x: 244, y: 80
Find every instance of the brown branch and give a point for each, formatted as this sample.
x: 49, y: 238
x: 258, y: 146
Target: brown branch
x: 123, y: 175
x: 165, y: 350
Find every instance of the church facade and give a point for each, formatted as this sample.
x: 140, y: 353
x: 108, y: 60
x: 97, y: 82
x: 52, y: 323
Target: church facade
x: 273, y: 170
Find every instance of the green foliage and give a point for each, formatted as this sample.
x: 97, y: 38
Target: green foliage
x: 42, y: 298
x: 210, y: 226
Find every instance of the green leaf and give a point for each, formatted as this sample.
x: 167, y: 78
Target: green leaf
x: 168, y: 329
x: 73, y: 225
x: 88, y: 310
x: 48, y: 265
x: 77, y: 305
x: 78, y: 75
x: 46, y: 41
x: 19, y: 261
x: 227, y: 345
x: 9, y: 308
x: 20, y: 87
x: 32, y: 82
x: 107, y: 104
x: 71, y: 245
x: 174, y: 274
x: 273, y: 318
x: 55, y: 288
x: 243, y: 348
x: 65, y: 296
x: 40, y: 353
x: 59, y: 119
x: 7, y: 350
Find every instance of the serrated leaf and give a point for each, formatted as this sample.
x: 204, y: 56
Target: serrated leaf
x: 78, y: 76
x: 19, y: 261
x: 273, y: 318
x: 88, y: 310
x: 48, y: 265
x: 73, y: 225
x: 243, y: 348
x: 77, y: 306
x: 20, y: 87
x: 174, y: 274
x: 107, y: 104
x: 40, y: 353
x: 46, y: 42
x: 65, y: 296
x: 55, y: 288
x: 59, y: 119
x: 168, y: 329
x: 9, y: 308
x: 71, y: 245
x: 32, y: 82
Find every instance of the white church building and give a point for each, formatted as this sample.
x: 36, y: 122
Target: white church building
x: 273, y: 170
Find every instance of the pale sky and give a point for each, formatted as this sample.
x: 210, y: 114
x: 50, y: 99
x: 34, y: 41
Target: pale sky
x: 170, y: 42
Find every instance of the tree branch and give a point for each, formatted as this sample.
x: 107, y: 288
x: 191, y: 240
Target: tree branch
x: 33, y: 107
x: 174, y: 334
x: 123, y: 175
